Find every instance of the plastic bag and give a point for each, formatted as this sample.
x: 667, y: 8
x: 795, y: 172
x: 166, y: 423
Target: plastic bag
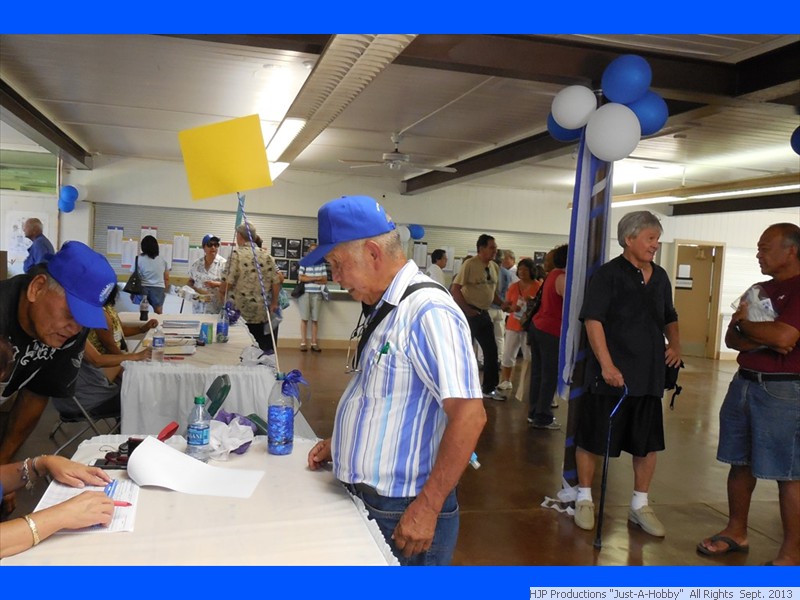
x: 230, y: 432
x: 759, y: 306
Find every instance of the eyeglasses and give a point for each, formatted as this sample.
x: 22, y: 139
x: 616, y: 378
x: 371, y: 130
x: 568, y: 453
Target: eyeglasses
x: 351, y: 364
x: 213, y: 244
x: 488, y: 275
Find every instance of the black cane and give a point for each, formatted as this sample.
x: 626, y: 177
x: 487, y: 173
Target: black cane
x: 598, y: 540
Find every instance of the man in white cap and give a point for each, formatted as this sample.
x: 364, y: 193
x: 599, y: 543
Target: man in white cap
x: 409, y: 420
x: 45, y: 314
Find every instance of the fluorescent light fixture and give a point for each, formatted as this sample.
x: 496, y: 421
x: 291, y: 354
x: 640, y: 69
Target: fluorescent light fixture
x: 644, y: 201
x: 276, y: 168
x: 750, y: 192
x: 286, y: 133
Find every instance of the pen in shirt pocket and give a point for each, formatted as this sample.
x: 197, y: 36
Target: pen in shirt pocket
x: 385, y: 349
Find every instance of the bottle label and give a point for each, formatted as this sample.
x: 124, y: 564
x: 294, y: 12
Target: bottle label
x: 197, y: 435
x: 158, y: 342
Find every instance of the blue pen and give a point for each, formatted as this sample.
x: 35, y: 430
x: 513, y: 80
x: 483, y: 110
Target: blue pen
x: 110, y: 488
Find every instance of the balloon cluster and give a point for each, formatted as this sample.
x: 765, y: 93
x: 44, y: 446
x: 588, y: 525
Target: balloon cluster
x: 612, y: 131
x: 410, y: 232
x: 68, y: 195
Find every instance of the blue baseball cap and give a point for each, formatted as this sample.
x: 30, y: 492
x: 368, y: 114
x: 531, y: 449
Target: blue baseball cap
x: 87, y: 279
x: 346, y: 219
x: 210, y: 237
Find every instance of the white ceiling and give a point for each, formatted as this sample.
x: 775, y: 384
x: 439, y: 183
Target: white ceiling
x: 454, y: 98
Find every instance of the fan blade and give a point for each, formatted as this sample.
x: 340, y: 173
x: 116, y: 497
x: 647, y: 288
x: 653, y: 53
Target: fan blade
x: 360, y: 162
x: 431, y: 168
x: 363, y: 166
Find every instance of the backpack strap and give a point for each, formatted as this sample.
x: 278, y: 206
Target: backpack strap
x: 385, y: 309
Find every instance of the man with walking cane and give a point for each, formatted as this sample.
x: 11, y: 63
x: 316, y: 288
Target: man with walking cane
x: 627, y: 312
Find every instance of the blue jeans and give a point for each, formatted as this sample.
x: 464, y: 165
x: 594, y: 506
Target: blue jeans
x: 386, y: 512
x: 155, y: 295
x: 759, y: 425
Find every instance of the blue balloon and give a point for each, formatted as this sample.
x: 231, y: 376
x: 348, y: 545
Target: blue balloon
x: 626, y: 79
x: 417, y: 232
x: 66, y: 205
x: 559, y: 132
x: 69, y: 193
x: 796, y: 140
x: 652, y: 112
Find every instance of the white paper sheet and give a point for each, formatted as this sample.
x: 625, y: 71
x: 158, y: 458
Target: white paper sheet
x: 120, y: 489
x: 155, y: 463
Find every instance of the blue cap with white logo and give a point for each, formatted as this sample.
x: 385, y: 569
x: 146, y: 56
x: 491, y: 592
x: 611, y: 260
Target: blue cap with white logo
x: 87, y: 279
x: 346, y: 219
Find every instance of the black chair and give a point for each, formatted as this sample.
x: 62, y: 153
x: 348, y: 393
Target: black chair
x: 111, y: 419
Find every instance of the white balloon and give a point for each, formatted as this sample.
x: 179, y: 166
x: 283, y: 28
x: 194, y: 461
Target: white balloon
x: 573, y: 106
x: 405, y: 233
x: 613, y: 132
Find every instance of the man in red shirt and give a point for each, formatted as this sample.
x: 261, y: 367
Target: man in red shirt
x: 760, y: 416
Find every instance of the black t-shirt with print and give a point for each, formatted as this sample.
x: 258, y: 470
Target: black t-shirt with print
x: 39, y: 368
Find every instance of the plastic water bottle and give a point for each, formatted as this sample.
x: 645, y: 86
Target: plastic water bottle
x: 158, y: 345
x: 222, y: 326
x: 280, y: 420
x: 199, y: 431
x: 144, y: 309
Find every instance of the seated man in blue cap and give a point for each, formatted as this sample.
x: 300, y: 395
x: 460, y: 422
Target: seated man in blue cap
x: 45, y: 314
x: 408, y: 422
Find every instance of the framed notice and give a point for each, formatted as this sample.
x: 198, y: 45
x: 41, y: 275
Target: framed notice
x: 307, y: 242
x: 538, y: 258
x: 293, y: 249
x: 278, y: 247
x: 294, y: 266
x: 283, y: 265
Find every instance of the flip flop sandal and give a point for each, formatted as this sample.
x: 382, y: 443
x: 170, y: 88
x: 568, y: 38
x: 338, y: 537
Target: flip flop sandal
x: 303, y: 348
x: 315, y: 348
x: 733, y: 546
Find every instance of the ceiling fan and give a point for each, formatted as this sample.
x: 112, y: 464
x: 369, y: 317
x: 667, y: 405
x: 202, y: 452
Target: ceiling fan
x: 395, y: 160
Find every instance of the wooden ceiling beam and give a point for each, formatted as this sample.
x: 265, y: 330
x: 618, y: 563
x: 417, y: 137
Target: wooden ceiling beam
x: 30, y: 122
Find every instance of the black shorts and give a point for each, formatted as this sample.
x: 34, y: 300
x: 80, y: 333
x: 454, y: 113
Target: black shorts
x: 638, y: 427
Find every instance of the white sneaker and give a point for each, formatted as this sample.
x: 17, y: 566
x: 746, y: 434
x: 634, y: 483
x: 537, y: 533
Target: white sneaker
x: 584, y: 514
x: 505, y: 385
x: 647, y: 520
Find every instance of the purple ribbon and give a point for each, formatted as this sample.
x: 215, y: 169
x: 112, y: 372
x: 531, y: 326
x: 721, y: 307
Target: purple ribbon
x: 290, y: 382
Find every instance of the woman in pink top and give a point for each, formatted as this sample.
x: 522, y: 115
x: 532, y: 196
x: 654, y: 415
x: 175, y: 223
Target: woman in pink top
x: 545, y: 334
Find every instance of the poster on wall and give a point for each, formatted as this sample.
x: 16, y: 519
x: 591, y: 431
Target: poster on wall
x: 278, y: 247
x: 283, y: 265
x: 293, y: 249
x: 538, y: 258
x: 114, y: 235
x: 307, y: 243
x: 293, y: 268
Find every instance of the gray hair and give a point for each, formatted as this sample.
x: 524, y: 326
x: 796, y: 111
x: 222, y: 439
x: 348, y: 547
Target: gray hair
x: 242, y: 230
x: 631, y: 224
x: 389, y: 243
x: 33, y: 226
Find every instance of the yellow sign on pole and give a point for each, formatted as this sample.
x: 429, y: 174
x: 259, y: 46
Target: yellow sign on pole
x: 225, y: 158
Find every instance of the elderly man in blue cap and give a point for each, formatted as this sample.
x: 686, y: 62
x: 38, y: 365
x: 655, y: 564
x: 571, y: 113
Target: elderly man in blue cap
x: 412, y: 413
x: 45, y: 314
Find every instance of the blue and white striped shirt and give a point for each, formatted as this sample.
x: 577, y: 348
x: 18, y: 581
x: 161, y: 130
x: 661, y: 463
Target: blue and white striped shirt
x: 390, y: 420
x: 313, y: 271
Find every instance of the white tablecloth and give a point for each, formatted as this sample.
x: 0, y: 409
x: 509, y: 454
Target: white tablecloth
x: 294, y: 517
x: 153, y: 394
